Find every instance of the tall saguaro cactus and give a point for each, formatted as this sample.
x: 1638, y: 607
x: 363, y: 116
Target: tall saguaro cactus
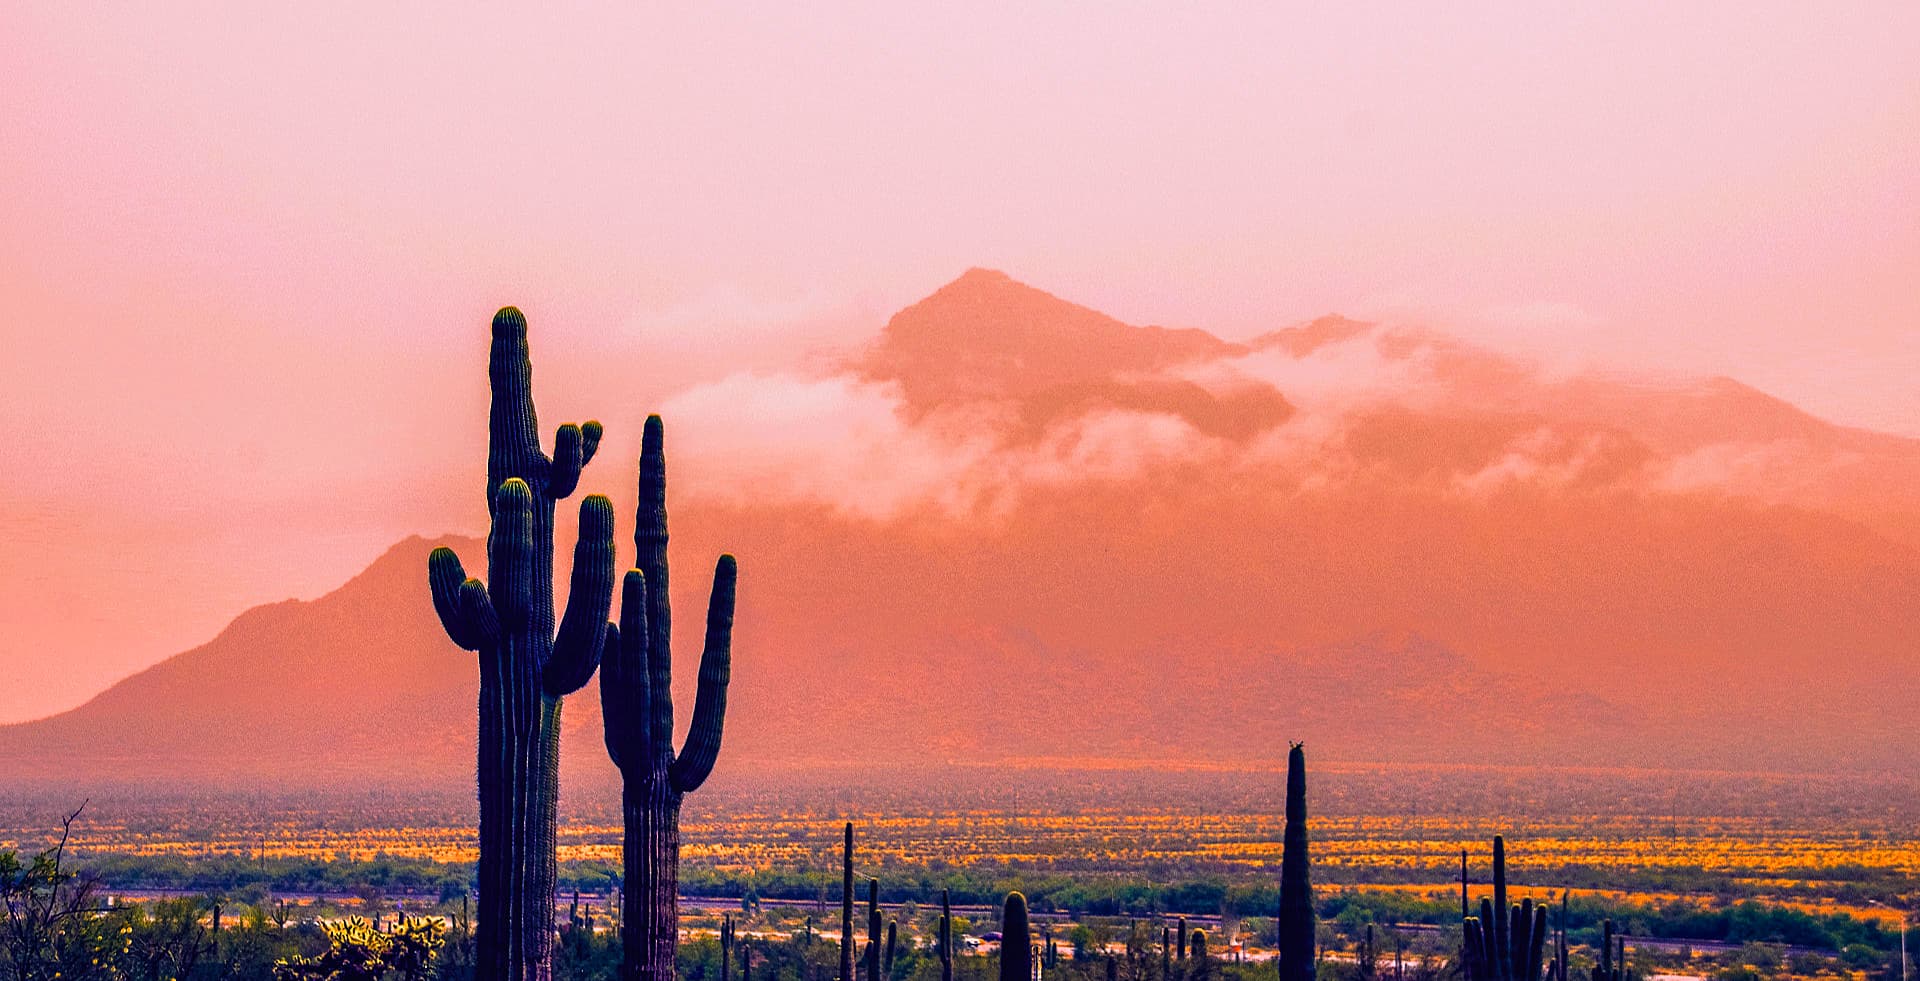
x: 636, y: 699
x: 525, y: 667
x: 1296, y: 924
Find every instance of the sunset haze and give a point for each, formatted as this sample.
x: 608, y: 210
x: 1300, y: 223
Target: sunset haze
x: 1423, y: 366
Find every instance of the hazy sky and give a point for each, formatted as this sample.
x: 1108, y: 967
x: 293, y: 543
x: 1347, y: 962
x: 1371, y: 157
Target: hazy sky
x: 249, y: 256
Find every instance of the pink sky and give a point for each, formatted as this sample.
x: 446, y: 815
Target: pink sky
x: 248, y: 261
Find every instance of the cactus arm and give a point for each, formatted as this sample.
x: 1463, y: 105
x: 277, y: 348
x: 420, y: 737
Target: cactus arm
x: 1538, y: 940
x: 590, y: 433
x: 650, y: 539
x: 448, y: 579
x: 477, y: 610
x: 514, y: 449
x: 623, y: 678
x: 512, y: 548
x: 696, y: 760
x: 1518, y: 919
x: 563, y: 475
x: 577, y: 648
x: 1475, y: 949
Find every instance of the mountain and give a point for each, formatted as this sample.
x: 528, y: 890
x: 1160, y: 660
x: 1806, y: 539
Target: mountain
x: 1027, y: 530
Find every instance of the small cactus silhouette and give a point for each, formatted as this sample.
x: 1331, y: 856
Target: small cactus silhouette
x: 846, y: 906
x: 946, y: 936
x: 1296, y: 924
x: 1016, y: 940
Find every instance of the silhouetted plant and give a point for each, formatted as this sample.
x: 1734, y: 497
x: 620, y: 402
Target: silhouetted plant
x: 636, y: 698
x: 846, y: 906
x: 1016, y: 940
x: 1296, y: 924
x: 525, y: 667
x: 946, y: 935
x: 872, y: 966
x: 1505, y: 943
x: 1612, y: 955
x: 358, y: 952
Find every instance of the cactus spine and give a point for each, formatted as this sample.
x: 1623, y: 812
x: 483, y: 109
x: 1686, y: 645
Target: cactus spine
x: 525, y: 667
x: 1505, y: 943
x: 1296, y: 925
x: 636, y: 702
x: 1016, y: 940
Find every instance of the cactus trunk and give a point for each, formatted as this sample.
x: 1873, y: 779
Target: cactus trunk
x: 946, y: 936
x: 873, y: 930
x: 846, y: 907
x: 650, y: 935
x: 1296, y: 925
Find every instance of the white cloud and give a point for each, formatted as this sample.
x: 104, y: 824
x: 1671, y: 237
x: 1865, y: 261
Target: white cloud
x: 754, y: 437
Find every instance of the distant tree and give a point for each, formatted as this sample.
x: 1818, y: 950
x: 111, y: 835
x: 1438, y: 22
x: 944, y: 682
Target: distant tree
x: 52, y: 919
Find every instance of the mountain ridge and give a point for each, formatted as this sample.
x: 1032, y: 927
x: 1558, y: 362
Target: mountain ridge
x: 1376, y: 538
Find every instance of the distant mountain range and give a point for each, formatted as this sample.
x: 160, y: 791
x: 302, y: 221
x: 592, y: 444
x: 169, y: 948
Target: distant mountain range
x: 1053, y: 535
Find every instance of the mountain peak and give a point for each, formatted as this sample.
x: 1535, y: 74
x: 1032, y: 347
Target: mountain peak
x: 987, y: 335
x: 982, y: 276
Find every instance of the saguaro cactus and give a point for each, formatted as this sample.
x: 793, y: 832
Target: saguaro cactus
x: 1505, y: 943
x: 1612, y: 965
x: 1296, y: 924
x: 636, y: 699
x: 1016, y: 941
x: 946, y: 936
x: 873, y: 929
x: 846, y: 907
x: 525, y: 667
